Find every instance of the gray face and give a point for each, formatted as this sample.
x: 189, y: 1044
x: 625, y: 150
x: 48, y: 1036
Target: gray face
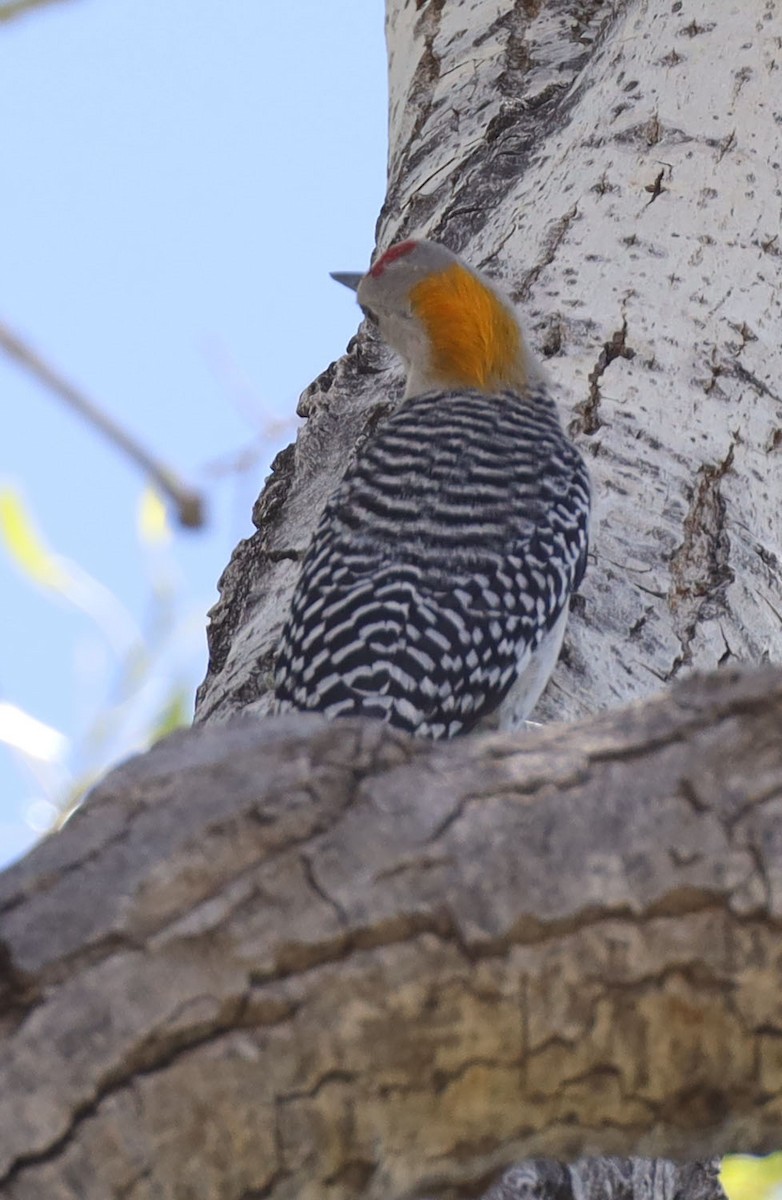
x: 386, y: 287
x: 384, y: 294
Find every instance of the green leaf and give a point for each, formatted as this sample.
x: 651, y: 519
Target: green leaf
x: 152, y: 519
x: 175, y: 714
x: 744, y: 1177
x: 25, y: 545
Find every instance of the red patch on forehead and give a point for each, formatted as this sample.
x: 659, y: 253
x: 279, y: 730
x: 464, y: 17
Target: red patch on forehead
x: 391, y: 255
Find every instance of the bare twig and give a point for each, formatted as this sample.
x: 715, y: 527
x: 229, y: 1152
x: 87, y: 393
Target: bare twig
x: 188, y: 503
x: 18, y: 8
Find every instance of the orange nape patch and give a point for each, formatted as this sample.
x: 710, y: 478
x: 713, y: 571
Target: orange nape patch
x: 475, y: 339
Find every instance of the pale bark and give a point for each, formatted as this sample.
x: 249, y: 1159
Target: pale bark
x: 290, y: 958
x: 616, y: 164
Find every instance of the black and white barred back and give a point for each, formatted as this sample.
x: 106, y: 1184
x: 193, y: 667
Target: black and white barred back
x: 442, y: 561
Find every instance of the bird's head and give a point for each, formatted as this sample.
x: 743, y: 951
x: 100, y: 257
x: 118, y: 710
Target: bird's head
x: 451, y: 327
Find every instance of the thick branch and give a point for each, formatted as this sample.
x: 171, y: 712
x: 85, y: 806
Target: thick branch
x: 380, y: 964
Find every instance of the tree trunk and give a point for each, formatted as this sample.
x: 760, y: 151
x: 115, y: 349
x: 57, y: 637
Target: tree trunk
x: 616, y: 165
x: 292, y: 958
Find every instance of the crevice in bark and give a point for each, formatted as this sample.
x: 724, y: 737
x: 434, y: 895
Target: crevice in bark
x: 320, y: 891
x: 135, y: 1067
x: 556, y: 235
x: 758, y: 384
x: 656, y: 188
x: 277, y: 556
x: 19, y: 992
x: 587, y: 420
x: 695, y: 30
x: 700, y: 568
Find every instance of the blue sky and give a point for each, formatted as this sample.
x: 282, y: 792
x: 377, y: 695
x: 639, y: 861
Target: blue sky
x: 176, y: 187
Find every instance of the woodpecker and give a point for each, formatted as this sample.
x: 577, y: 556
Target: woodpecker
x: 435, y: 591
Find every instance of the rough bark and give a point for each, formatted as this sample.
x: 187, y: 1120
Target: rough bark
x: 599, y: 1179
x: 616, y: 164
x: 288, y: 958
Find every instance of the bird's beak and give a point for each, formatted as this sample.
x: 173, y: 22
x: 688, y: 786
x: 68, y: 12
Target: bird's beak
x: 351, y: 279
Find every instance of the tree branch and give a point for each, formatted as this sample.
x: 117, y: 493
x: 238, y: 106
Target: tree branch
x: 187, y: 502
x: 384, y: 965
x: 20, y: 8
